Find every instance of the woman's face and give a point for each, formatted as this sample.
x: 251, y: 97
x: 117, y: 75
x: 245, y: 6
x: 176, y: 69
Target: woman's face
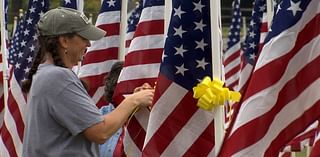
x: 77, y: 46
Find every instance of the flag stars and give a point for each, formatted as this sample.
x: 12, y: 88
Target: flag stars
x: 201, y: 44
x: 252, y: 56
x: 32, y: 9
x: 32, y: 48
x: 23, y: 43
x: 179, y: 31
x: 67, y: 1
x: 294, y: 7
x: 29, y: 59
x: 20, y: 54
x: 198, y: 6
x: 180, y: 50
x: 262, y: 8
x: 26, y: 32
x: 252, y: 34
x: 201, y: 64
x: 26, y: 70
x: 181, y: 69
x: 111, y: 3
x: 199, y: 25
x: 252, y: 45
x: 178, y: 12
x: 17, y: 65
x: 29, y: 21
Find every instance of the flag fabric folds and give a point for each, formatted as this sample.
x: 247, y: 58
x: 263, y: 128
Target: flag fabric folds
x: 20, y: 57
x: 103, y: 53
x: 282, y: 97
x: 177, y: 127
x: 141, y: 65
x: 232, y: 54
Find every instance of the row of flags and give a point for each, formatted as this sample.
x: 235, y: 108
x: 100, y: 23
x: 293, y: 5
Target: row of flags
x: 274, y: 69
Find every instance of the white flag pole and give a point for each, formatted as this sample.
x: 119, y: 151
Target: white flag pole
x: 269, y: 12
x: 167, y: 15
x: 123, y: 29
x: 4, y: 52
x: 80, y: 5
x: 216, y: 44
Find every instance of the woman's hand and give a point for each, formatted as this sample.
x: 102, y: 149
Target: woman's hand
x: 143, y: 97
x: 143, y: 87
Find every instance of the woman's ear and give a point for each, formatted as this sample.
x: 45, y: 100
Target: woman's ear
x: 63, y: 41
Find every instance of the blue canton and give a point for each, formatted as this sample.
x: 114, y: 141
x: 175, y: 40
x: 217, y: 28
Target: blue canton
x: 234, y: 33
x: 24, y: 43
x: 187, y: 55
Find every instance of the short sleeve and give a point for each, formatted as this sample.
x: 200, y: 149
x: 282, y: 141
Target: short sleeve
x: 74, y: 109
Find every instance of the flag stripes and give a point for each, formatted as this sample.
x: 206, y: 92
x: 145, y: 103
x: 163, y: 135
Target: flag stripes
x: 282, y: 93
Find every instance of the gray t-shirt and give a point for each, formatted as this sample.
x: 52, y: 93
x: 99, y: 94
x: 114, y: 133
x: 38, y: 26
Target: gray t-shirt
x: 59, y: 110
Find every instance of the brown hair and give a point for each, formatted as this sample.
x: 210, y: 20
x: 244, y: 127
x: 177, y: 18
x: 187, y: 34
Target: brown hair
x: 47, y: 44
x: 111, y: 80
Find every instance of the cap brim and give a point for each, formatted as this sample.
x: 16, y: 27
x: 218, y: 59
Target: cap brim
x: 92, y: 33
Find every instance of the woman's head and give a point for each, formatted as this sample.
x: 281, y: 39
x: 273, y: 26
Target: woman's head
x: 63, y: 37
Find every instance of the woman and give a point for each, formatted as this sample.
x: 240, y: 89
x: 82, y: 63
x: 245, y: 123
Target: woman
x: 62, y: 120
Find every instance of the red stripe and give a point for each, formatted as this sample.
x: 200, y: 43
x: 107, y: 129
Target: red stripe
x: 232, y: 72
x: 144, y: 57
x: 278, y: 66
x: 147, y: 28
x: 136, y: 132
x: 316, y: 149
x: 233, y: 84
x: 128, y: 43
x: 94, y: 82
x: 248, y: 135
x: 206, y: 137
x: 8, y: 141
x: 235, y: 55
x: 264, y: 27
x: 111, y: 29
x: 97, y: 56
x: 16, y: 114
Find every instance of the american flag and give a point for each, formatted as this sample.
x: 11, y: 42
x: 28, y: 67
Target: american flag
x: 102, y: 53
x: 232, y: 57
x: 20, y: 56
x: 177, y: 127
x: 132, y: 23
x: 74, y: 4
x: 142, y: 64
x: 282, y: 98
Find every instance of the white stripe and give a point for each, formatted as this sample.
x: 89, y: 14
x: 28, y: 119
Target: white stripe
x: 98, y: 94
x: 163, y: 108
x: 130, y: 148
x: 152, y: 13
x: 244, y: 75
x: 192, y: 130
x: 104, y: 43
x: 286, y: 40
x: 232, y: 50
x: 142, y: 117
x: 129, y: 36
x: 231, y: 65
x: 261, y: 105
x: 96, y: 68
x: 109, y: 17
x: 287, y: 115
x: 19, y: 98
x: 146, y: 42
x: 3, y: 149
x: 139, y: 72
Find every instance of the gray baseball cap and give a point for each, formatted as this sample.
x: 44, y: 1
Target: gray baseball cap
x: 65, y: 20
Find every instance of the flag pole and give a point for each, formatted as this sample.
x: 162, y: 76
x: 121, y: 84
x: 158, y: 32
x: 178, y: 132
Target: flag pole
x: 123, y: 29
x: 216, y: 45
x: 4, y: 53
x: 269, y: 12
x: 167, y: 14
